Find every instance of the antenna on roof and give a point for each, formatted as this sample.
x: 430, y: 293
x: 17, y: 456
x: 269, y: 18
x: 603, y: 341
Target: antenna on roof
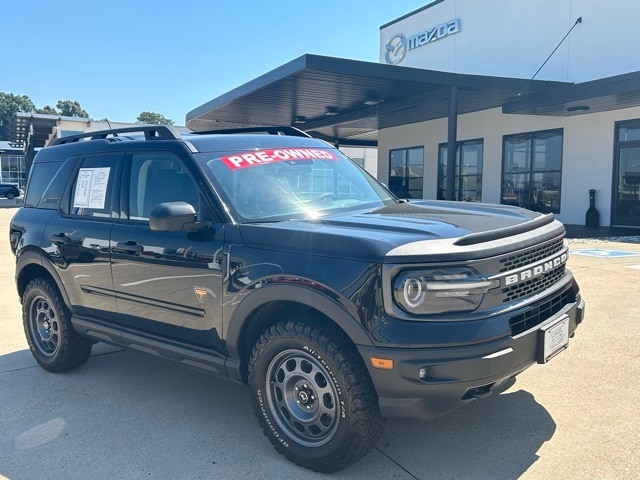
x: 579, y: 20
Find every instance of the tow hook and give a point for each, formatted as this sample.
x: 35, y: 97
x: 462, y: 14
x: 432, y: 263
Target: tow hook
x: 482, y: 391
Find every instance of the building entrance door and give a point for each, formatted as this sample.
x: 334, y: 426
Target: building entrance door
x: 626, y: 202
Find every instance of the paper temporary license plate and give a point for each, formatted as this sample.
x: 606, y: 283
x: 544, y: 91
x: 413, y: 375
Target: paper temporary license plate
x: 554, y: 339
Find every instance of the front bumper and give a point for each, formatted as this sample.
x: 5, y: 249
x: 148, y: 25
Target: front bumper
x: 456, y: 375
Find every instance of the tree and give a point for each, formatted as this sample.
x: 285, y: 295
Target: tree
x: 11, y: 104
x: 71, y: 108
x: 48, y: 110
x: 153, y: 118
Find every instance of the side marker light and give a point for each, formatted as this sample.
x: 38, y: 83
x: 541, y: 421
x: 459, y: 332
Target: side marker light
x: 381, y: 363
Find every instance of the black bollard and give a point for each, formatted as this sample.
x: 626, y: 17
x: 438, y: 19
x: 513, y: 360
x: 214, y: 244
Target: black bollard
x: 592, y: 218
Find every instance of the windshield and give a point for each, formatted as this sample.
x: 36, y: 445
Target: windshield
x: 277, y: 184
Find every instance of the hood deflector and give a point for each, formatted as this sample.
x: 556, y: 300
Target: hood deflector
x: 480, y: 237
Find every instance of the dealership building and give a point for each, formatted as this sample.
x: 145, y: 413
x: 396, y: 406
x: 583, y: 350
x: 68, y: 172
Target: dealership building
x: 529, y: 103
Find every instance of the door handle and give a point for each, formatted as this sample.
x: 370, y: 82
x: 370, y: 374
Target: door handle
x: 130, y: 247
x: 59, y: 239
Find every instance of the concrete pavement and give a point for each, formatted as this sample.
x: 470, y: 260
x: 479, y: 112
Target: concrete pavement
x: 130, y: 416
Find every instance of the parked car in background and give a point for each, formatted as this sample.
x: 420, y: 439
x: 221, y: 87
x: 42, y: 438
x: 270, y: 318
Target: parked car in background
x: 9, y: 190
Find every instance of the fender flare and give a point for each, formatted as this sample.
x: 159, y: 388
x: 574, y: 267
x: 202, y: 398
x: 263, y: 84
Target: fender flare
x: 296, y: 294
x: 31, y: 257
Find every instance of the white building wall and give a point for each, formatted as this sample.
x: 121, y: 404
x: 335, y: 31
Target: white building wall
x: 512, y: 38
x: 587, y: 160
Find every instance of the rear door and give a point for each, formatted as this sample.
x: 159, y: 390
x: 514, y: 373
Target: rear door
x: 77, y: 237
x: 167, y: 283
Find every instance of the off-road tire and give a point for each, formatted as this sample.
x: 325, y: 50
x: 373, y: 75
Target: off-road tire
x: 313, y: 396
x: 53, y: 342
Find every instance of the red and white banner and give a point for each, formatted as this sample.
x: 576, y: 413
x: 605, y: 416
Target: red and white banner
x: 260, y: 157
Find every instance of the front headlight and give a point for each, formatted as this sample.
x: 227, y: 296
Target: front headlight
x: 425, y: 292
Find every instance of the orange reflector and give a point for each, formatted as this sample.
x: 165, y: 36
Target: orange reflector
x: 382, y: 363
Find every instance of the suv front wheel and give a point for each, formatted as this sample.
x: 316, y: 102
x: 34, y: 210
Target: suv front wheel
x: 313, y: 396
x: 53, y: 342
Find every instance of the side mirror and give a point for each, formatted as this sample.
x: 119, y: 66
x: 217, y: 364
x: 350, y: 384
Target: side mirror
x: 175, y: 217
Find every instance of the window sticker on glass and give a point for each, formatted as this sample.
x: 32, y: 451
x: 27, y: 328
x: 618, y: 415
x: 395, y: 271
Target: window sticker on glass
x: 259, y: 157
x: 91, y: 188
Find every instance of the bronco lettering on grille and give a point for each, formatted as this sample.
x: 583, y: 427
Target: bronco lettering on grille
x: 536, y: 271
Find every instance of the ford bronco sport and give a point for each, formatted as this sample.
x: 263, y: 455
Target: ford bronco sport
x: 271, y: 259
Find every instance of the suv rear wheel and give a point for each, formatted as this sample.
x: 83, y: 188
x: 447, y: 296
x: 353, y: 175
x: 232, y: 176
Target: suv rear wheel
x: 313, y: 396
x: 53, y: 342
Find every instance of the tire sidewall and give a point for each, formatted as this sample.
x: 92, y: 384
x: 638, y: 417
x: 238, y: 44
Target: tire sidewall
x: 280, y: 439
x: 32, y: 293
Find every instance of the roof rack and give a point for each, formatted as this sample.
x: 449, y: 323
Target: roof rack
x: 271, y: 130
x: 151, y: 132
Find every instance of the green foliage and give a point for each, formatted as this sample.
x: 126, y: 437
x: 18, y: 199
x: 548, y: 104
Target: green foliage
x: 71, y: 108
x: 153, y: 118
x: 48, y: 110
x: 11, y: 104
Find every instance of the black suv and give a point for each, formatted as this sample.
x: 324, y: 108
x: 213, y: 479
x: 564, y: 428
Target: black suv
x: 9, y: 191
x: 269, y: 258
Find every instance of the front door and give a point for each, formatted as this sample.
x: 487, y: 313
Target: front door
x: 626, y: 202
x: 166, y: 283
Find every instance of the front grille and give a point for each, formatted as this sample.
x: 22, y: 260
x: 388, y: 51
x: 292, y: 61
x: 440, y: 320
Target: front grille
x: 521, y: 259
x: 538, y: 313
x: 532, y: 286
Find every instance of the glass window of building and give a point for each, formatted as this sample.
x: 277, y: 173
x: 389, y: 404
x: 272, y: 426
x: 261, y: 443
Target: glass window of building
x: 628, y: 131
x: 626, y: 179
x: 468, y: 182
x: 406, y: 172
x: 358, y: 160
x: 12, y: 169
x: 532, y: 170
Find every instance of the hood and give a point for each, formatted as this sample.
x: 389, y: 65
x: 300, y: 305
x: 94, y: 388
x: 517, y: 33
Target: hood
x: 407, y: 232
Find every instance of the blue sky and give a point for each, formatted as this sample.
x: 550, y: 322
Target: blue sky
x: 121, y: 57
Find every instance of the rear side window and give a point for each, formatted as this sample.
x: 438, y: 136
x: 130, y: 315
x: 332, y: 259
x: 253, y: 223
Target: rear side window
x: 39, y: 180
x: 47, y: 184
x: 92, y: 191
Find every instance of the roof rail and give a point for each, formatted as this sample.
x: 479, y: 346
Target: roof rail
x: 271, y: 130
x: 151, y: 132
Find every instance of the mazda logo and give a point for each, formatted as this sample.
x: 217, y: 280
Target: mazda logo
x: 396, y: 48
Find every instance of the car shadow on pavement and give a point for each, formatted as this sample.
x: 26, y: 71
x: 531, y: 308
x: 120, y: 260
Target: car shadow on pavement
x: 493, y: 438
x: 128, y: 415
